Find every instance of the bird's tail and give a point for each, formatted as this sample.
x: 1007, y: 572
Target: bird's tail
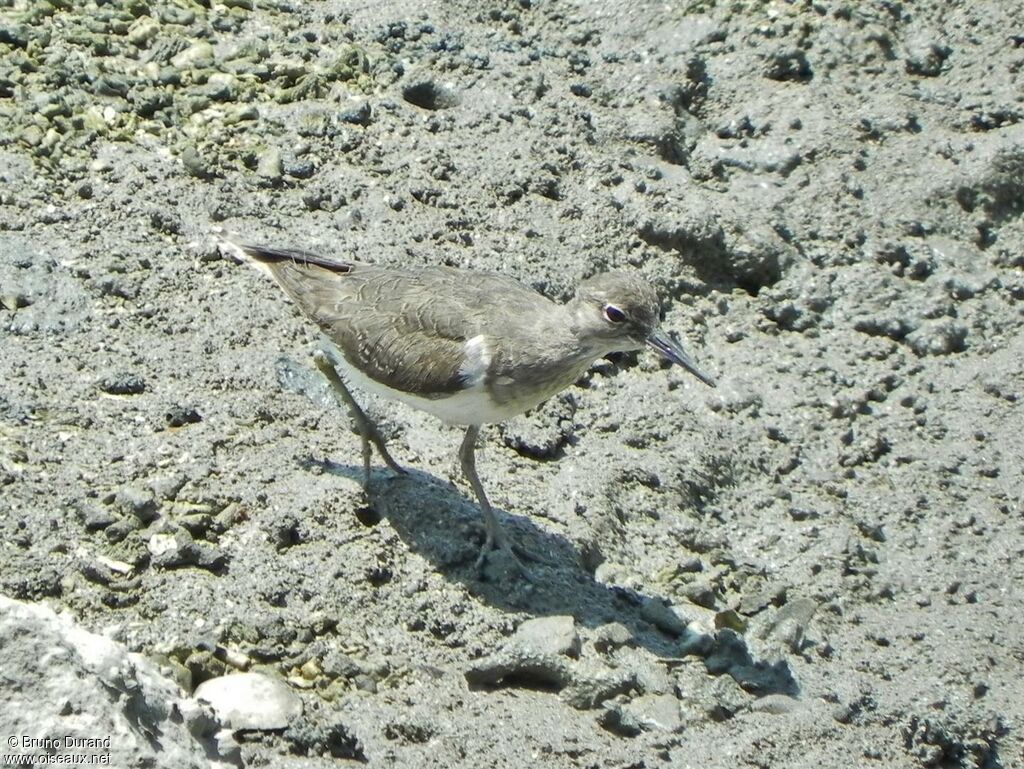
x: 264, y: 258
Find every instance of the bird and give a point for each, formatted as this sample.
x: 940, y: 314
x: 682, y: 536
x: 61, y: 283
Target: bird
x: 467, y: 346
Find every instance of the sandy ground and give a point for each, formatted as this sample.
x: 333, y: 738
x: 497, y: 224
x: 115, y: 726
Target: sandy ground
x: 816, y: 564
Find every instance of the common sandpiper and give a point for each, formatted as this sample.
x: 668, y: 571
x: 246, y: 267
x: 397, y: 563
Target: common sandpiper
x: 469, y: 347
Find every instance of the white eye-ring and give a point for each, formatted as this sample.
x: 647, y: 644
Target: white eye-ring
x: 613, y: 314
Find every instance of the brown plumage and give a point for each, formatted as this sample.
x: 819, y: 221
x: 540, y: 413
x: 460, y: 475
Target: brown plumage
x: 469, y: 347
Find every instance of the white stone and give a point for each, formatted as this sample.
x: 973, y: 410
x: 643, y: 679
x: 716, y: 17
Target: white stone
x: 250, y: 701
x: 549, y: 635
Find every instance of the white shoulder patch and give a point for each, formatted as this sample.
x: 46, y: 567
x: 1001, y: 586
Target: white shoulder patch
x: 478, y: 360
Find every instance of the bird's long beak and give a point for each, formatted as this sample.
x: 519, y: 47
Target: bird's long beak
x: 667, y: 348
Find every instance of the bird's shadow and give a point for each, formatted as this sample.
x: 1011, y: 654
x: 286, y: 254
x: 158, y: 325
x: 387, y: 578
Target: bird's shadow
x: 444, y: 526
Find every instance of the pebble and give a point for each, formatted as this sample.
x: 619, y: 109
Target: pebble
x: 250, y: 701
x: 16, y: 35
x: 178, y: 549
x: 926, y: 55
x: 775, y: 704
x: 358, y: 114
x: 612, y: 636
x: 197, y: 55
x: 593, y: 683
x: 941, y: 337
x: 95, y: 518
x: 647, y: 713
x: 662, y: 616
x: 788, y: 65
x: 179, y: 416
x: 131, y: 500
x: 123, y: 383
x: 700, y: 593
x: 14, y: 302
x: 524, y: 666
x: 270, y: 166
x: 119, y: 530
x: 549, y: 635
x: 791, y: 621
x: 142, y: 31
x: 166, y: 487
x: 194, y: 163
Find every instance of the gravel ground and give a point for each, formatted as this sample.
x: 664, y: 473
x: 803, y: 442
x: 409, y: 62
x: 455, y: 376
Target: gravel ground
x: 818, y: 563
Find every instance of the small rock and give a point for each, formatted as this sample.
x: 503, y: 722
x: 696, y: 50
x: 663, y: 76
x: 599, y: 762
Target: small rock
x: 690, y: 566
x: 270, y: 167
x: 336, y: 664
x: 697, y: 644
x: 16, y: 35
x: 612, y: 636
x: 730, y: 619
x: 775, y: 704
x: 119, y: 530
x: 177, y: 550
x: 142, y: 31
x: 98, y: 573
x: 118, y: 567
x: 843, y: 713
x: 358, y: 114
x: 428, y: 95
x: 300, y: 169
x: 758, y: 594
x: 179, y: 416
x: 647, y: 713
x: 791, y: 621
x: 662, y: 616
x: 524, y: 665
x: 700, y: 593
x: 549, y: 635
x: 250, y: 701
x: 731, y: 655
x: 14, y: 302
x: 227, y: 747
x: 925, y: 56
x: 197, y: 55
x: 194, y: 163
x: 789, y: 65
x: 594, y: 683
x: 180, y: 16
x: 941, y: 337
x: 611, y: 573
x: 334, y: 739
x: 198, y: 719
x: 123, y: 384
x: 166, y: 222
x: 131, y: 500
x: 94, y: 517
x: 166, y: 487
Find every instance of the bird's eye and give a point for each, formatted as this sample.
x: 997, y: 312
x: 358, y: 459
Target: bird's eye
x: 613, y: 314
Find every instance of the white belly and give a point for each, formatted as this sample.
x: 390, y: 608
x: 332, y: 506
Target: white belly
x: 472, y: 406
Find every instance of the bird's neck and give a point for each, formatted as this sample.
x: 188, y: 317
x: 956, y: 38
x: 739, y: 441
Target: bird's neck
x: 581, y: 325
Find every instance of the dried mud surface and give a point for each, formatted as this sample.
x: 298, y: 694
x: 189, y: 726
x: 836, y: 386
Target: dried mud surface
x: 816, y: 564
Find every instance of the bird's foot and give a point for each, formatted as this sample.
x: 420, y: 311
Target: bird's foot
x: 496, y: 563
x: 503, y: 556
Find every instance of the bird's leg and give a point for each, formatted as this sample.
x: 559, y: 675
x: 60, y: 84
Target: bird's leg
x: 467, y: 457
x: 495, y: 537
x: 367, y: 429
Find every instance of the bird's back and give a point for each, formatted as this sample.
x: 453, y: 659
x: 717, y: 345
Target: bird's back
x: 405, y: 328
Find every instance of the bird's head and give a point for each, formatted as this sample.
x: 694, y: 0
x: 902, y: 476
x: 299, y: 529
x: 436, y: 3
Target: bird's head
x: 619, y: 311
